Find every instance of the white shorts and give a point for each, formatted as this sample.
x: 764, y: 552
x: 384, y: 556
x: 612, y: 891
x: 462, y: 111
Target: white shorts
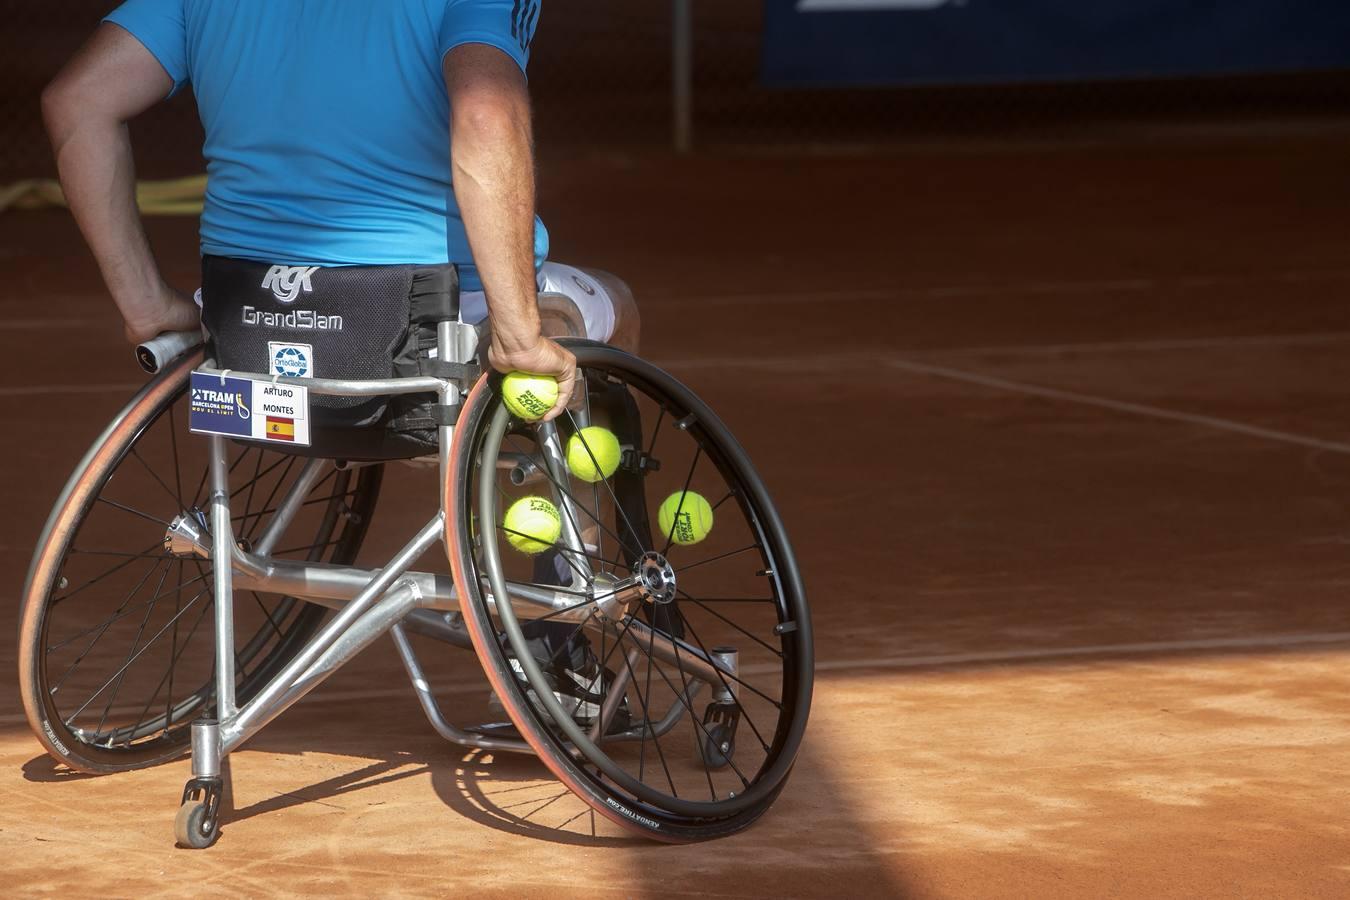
x: 588, y: 294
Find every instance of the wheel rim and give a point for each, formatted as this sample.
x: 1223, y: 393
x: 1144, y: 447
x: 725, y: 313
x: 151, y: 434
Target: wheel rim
x: 155, y: 643
x: 773, y: 690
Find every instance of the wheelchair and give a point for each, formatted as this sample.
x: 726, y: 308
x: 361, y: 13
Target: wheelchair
x: 188, y: 589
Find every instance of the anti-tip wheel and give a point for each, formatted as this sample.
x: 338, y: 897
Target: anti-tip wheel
x: 193, y: 829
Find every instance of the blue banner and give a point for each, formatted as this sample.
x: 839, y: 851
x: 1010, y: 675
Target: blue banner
x: 871, y: 42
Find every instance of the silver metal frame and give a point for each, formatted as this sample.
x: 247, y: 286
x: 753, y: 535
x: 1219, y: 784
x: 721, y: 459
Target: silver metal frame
x: 394, y: 598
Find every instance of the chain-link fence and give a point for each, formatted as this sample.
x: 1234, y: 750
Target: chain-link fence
x: 602, y: 78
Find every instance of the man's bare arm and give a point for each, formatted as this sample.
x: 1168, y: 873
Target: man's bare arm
x: 493, y: 166
x: 86, y: 107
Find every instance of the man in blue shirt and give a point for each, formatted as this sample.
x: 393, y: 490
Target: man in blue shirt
x: 338, y: 133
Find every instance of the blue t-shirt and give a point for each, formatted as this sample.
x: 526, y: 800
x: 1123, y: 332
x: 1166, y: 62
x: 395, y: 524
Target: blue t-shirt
x: 327, y: 121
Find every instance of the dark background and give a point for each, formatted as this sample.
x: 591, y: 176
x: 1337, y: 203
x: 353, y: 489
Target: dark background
x: 601, y: 80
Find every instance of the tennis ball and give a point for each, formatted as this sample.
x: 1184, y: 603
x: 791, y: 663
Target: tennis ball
x: 529, y: 396
x: 532, y: 524
x: 694, y: 519
x: 593, y: 453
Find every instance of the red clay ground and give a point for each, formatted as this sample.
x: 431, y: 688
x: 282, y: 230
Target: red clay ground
x: 1061, y: 436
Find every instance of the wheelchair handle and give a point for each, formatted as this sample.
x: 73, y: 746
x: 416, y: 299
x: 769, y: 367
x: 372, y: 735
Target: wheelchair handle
x: 163, y: 349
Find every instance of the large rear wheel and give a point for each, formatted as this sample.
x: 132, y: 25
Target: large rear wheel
x: 116, y: 647
x: 669, y: 684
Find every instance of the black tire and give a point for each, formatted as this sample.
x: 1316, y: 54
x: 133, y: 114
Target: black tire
x: 602, y: 772
x: 191, y: 830
x: 130, y: 460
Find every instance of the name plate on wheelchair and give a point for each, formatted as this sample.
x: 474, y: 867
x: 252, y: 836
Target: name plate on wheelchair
x: 258, y: 409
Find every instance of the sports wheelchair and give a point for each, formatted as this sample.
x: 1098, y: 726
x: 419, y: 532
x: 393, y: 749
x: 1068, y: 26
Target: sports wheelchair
x: 673, y: 702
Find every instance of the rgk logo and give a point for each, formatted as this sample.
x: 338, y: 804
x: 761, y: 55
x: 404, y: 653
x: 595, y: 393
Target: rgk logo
x: 286, y: 282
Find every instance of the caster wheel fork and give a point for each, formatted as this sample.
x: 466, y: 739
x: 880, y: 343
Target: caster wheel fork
x: 717, y: 737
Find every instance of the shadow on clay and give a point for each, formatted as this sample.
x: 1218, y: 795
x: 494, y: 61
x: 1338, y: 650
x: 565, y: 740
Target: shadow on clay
x: 45, y: 770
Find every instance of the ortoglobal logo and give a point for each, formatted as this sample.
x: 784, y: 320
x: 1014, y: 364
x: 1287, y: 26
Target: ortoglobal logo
x: 868, y: 5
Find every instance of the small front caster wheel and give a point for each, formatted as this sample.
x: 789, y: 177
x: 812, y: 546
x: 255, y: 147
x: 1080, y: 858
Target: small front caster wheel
x: 194, y: 827
x: 718, y: 746
x: 197, y: 824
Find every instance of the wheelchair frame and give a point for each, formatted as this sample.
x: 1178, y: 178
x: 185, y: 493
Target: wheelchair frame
x: 394, y: 598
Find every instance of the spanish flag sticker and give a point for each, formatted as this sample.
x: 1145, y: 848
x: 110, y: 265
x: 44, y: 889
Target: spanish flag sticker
x: 279, y: 429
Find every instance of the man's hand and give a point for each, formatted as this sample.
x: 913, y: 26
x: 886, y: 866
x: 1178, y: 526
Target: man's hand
x: 168, y: 310
x: 544, y: 358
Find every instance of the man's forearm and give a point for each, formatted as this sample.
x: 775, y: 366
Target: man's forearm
x: 99, y: 180
x: 494, y: 186
x: 493, y: 169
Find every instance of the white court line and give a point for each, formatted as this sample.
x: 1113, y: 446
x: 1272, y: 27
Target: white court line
x: 32, y: 390
x: 945, y: 292
x: 874, y: 360
x: 1217, y: 342
x: 1161, y: 344
x: 1144, y: 648
x: 1138, y: 409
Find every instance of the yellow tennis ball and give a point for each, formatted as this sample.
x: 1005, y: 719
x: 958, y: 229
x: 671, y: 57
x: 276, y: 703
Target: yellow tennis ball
x: 693, y: 521
x: 593, y: 453
x: 532, y: 525
x: 529, y: 396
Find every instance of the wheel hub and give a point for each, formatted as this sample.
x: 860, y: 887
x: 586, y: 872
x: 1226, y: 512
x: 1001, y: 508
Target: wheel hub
x: 655, y: 578
x: 188, y: 535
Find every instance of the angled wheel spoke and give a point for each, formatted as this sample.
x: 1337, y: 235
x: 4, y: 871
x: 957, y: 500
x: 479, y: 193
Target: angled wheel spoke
x: 133, y: 511
x: 174, y: 651
x: 656, y: 431
x: 772, y: 649
x: 143, y: 554
x: 266, y: 614
x: 177, y: 466
x: 140, y: 631
x: 101, y: 628
x: 119, y: 614
x: 552, y: 587
x: 679, y: 507
x: 135, y: 657
x: 135, y: 454
x: 75, y: 551
x: 719, y: 557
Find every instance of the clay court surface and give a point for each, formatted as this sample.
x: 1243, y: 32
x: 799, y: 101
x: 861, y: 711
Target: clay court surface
x: 1062, y: 435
